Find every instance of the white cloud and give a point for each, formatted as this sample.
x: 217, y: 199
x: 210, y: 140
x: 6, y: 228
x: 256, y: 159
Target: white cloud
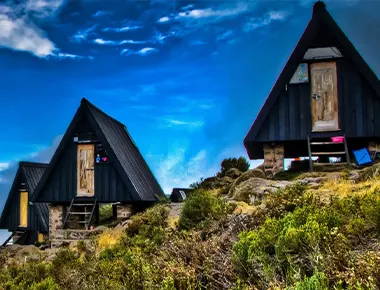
x: 4, y: 166
x: 163, y: 19
x: 83, y: 34
x: 43, y: 8
x: 19, y: 30
x: 176, y: 170
x: 182, y: 123
x: 71, y: 56
x: 117, y: 42
x: 142, y: 52
x: 268, y: 18
x: 121, y: 29
x: 21, y: 34
x: 229, y: 33
x: 101, y: 13
x: 146, y: 50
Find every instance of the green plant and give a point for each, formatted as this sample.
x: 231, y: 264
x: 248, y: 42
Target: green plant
x: 200, y: 208
x: 240, y: 163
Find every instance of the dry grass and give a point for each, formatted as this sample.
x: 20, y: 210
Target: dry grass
x: 344, y: 188
x: 109, y: 238
x: 243, y: 208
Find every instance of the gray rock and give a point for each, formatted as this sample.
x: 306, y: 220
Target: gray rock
x: 233, y: 173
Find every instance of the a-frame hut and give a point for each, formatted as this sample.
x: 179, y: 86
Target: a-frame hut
x: 96, y: 162
x: 27, y: 222
x: 325, y: 90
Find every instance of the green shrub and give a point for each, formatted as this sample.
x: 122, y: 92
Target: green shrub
x: 200, y: 208
x: 318, y: 281
x: 105, y: 212
x: 240, y: 163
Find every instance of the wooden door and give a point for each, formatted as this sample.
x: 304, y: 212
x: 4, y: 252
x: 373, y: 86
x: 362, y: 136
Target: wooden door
x: 85, y: 170
x: 23, y: 209
x: 324, y: 97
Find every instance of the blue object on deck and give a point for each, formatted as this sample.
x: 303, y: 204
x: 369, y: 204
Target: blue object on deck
x: 362, y: 156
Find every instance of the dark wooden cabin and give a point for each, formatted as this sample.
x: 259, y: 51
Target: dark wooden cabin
x: 326, y: 89
x: 96, y: 162
x: 180, y: 194
x: 28, y: 222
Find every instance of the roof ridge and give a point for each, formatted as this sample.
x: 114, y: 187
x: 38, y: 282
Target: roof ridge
x: 88, y: 103
x: 33, y: 164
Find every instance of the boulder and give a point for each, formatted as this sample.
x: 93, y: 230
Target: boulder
x: 254, y: 189
x: 233, y: 173
x: 245, y: 176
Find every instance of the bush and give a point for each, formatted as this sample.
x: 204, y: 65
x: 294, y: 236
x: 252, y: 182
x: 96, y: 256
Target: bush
x: 200, y: 208
x: 304, y: 236
x: 105, y: 212
x: 240, y: 163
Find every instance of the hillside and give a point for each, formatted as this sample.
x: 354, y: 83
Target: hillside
x: 238, y: 230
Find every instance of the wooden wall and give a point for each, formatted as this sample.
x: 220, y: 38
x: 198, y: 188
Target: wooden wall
x: 290, y: 117
x: 62, y: 184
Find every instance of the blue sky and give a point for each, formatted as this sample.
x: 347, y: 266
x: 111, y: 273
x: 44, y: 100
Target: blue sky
x: 187, y: 78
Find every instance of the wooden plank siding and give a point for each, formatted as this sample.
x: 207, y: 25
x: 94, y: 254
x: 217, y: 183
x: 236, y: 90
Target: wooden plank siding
x: 290, y: 118
x: 61, y: 187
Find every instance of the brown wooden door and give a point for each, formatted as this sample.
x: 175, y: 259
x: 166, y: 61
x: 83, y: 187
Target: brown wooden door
x: 23, y: 209
x: 85, y: 170
x: 324, y: 97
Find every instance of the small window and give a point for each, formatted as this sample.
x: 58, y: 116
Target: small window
x: 301, y: 75
x: 183, y: 194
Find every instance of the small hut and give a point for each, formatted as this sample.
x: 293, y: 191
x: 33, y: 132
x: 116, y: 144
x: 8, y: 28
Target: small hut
x: 324, y: 104
x: 27, y: 221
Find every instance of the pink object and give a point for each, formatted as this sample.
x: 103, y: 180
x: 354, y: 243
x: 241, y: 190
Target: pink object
x: 337, y: 139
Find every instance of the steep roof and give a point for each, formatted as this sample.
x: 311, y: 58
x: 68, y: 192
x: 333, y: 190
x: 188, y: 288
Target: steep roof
x: 31, y: 173
x: 128, y: 160
x: 320, y: 18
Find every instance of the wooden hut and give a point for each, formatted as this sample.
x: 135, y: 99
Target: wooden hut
x: 180, y: 194
x: 27, y: 222
x: 96, y: 162
x: 326, y: 89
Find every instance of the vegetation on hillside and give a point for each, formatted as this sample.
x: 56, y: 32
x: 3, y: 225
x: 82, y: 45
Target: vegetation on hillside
x: 296, y: 238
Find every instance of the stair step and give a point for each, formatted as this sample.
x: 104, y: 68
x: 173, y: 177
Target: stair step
x: 328, y: 153
x: 326, y: 143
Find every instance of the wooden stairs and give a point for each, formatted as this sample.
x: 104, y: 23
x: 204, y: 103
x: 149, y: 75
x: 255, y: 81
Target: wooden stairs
x: 80, y: 213
x: 15, y: 237
x: 323, y: 147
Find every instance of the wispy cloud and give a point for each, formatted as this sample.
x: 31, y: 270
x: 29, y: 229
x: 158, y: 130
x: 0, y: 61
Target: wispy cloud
x: 228, y: 34
x: 197, y: 42
x: 144, y: 51
x: 71, y: 56
x: 102, y: 13
x: 214, y: 12
x: 117, y: 42
x: 83, y: 34
x: 267, y: 19
x: 191, y: 19
x: 163, y: 19
x: 168, y: 122
x: 176, y: 169
x: 4, y: 166
x: 121, y: 29
x: 20, y: 32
